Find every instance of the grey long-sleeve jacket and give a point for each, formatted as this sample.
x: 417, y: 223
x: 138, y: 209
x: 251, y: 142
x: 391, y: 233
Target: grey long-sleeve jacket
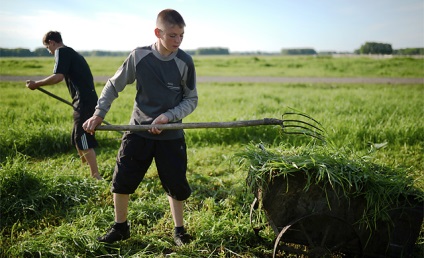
x: 165, y: 85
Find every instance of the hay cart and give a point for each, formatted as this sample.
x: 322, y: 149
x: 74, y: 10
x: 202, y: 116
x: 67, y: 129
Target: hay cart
x: 318, y: 222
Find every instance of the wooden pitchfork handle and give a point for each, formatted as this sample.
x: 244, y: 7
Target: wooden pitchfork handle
x: 177, y: 126
x: 289, y: 126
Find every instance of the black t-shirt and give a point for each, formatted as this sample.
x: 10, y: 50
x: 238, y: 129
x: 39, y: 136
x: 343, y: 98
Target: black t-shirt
x: 78, y: 77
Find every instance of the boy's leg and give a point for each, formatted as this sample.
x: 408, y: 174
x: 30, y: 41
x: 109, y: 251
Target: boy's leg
x: 177, y: 208
x: 171, y: 162
x: 82, y: 156
x: 133, y: 161
x: 89, y: 156
x: 120, y: 229
x: 85, y: 142
x: 121, y: 207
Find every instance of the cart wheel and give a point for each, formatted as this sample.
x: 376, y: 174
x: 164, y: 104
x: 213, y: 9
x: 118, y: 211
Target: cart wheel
x: 318, y: 235
x: 406, y: 228
x: 257, y: 218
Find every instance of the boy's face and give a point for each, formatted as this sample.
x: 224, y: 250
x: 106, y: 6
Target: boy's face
x: 171, y: 37
x: 51, y: 46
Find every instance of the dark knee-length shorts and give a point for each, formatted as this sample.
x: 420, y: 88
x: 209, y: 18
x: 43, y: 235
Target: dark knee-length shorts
x: 135, y: 156
x: 79, y: 137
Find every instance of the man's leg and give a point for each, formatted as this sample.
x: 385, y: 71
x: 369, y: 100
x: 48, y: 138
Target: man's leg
x: 89, y: 156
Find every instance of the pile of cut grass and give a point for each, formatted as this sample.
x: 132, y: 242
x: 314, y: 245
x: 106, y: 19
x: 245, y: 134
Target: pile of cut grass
x: 340, y: 170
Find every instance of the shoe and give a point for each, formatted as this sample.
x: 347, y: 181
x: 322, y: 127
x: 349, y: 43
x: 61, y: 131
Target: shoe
x: 114, y: 235
x: 182, y: 239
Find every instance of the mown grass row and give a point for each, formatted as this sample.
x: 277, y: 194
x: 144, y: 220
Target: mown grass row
x: 62, y: 211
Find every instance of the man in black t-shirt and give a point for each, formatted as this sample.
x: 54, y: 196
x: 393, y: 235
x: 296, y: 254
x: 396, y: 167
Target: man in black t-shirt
x: 73, y: 68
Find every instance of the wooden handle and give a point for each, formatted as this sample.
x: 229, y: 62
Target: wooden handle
x: 178, y: 126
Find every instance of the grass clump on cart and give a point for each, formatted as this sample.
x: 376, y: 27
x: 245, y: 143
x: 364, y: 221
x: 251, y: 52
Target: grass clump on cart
x: 340, y: 170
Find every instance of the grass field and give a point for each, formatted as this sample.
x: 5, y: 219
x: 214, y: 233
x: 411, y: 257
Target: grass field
x: 286, y: 66
x: 51, y: 208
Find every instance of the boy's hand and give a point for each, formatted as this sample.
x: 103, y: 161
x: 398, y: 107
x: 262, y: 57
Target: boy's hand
x: 162, y: 119
x: 31, y: 84
x: 90, y: 125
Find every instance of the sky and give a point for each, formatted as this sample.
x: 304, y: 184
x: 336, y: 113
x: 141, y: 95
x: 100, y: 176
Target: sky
x: 239, y: 25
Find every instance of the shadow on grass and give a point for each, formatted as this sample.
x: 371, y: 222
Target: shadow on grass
x: 31, y: 196
x: 35, y: 145
x: 40, y: 145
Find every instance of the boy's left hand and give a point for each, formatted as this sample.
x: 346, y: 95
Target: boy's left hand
x: 162, y: 119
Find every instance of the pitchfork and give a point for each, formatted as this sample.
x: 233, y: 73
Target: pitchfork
x: 291, y: 123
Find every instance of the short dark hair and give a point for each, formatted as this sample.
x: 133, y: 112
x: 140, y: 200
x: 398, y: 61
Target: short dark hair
x: 170, y: 17
x: 52, y: 35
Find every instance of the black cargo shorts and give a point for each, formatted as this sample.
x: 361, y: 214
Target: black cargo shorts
x: 135, y: 156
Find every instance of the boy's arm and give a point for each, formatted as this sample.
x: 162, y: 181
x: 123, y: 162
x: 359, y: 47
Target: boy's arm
x: 125, y: 75
x: 186, y: 106
x: 52, y: 79
x: 190, y: 98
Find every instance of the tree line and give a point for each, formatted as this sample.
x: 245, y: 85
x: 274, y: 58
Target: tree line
x: 374, y: 48
x: 40, y: 52
x: 386, y: 49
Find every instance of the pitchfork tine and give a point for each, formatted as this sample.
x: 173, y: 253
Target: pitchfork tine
x: 302, y: 122
x: 305, y: 128
x: 301, y: 114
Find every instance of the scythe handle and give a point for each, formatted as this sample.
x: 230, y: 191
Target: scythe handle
x: 63, y: 100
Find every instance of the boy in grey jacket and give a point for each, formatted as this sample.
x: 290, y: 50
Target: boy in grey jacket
x: 166, y: 93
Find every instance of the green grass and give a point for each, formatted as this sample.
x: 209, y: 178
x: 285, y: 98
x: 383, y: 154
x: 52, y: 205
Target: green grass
x: 50, y: 208
x: 285, y: 66
x: 100, y: 66
x: 309, y: 66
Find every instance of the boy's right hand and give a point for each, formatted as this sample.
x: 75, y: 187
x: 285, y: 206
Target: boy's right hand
x: 90, y: 125
x: 31, y: 84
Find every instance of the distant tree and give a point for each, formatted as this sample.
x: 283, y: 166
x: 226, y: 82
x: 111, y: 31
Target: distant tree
x: 327, y: 53
x: 104, y: 53
x: 19, y: 52
x: 212, y: 51
x: 298, y: 51
x: 23, y: 52
x: 190, y: 52
x: 409, y: 51
x: 4, y: 52
x: 376, y: 48
x: 41, y: 51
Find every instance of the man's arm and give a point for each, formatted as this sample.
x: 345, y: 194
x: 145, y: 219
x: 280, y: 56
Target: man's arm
x: 52, y: 79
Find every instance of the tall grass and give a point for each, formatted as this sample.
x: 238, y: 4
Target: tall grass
x: 50, y: 208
